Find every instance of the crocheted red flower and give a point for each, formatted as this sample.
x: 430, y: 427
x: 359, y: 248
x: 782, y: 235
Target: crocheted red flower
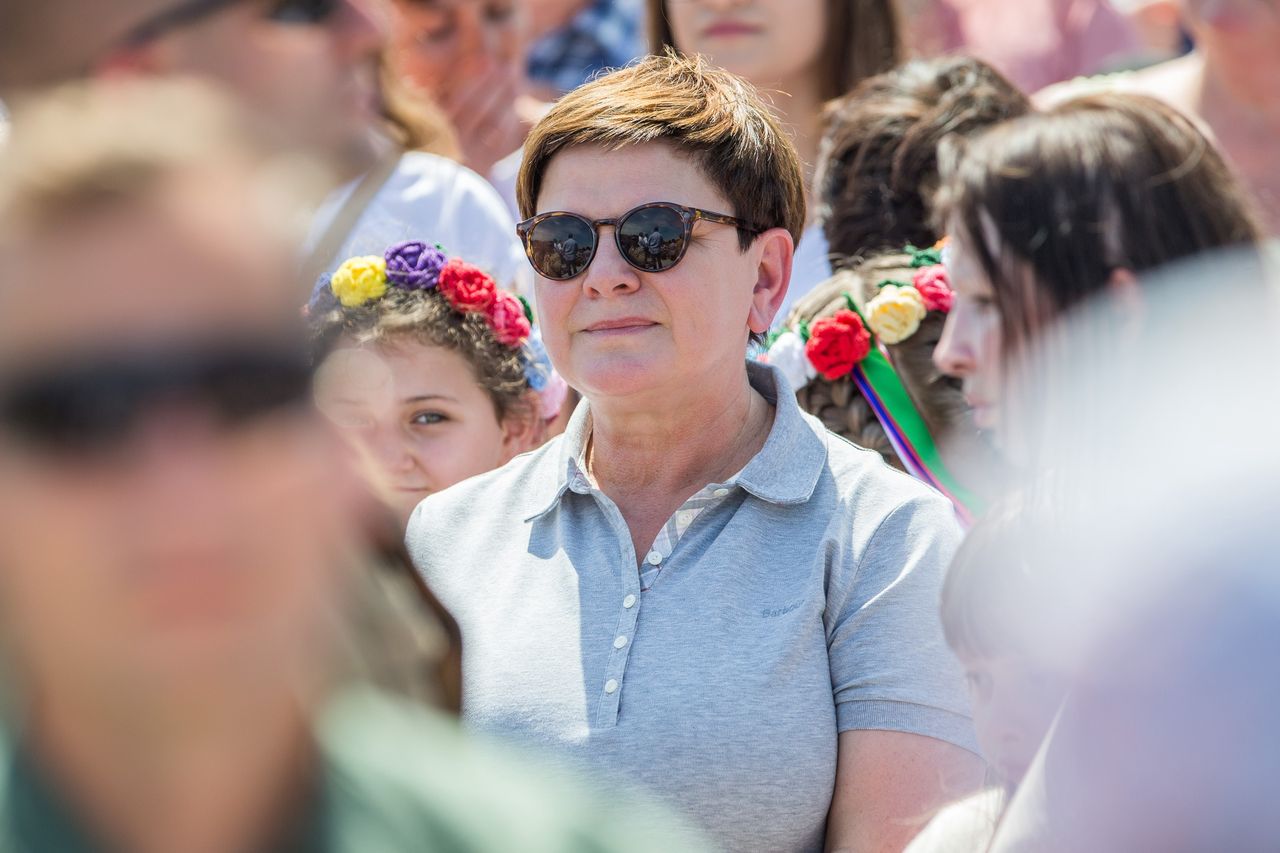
x: 507, y: 318
x: 934, y: 288
x: 837, y: 343
x: 466, y: 287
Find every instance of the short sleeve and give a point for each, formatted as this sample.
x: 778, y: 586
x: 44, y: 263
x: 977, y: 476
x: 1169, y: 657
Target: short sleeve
x: 890, y: 666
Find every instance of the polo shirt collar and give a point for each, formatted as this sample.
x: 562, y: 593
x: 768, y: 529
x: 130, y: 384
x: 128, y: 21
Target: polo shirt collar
x: 785, y: 471
x: 788, y: 467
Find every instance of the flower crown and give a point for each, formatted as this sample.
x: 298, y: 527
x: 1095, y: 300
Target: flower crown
x: 850, y: 343
x: 832, y: 347
x: 416, y: 266
x: 413, y: 266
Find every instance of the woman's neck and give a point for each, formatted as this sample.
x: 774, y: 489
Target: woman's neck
x: 224, y: 773
x: 679, y: 445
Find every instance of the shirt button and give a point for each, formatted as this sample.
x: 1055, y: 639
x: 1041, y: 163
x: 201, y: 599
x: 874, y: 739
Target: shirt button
x: 629, y: 602
x: 654, y: 558
x: 619, y: 643
x: 721, y: 493
x: 611, y: 687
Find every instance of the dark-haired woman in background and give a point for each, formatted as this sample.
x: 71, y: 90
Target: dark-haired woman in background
x: 877, y: 173
x: 1055, y: 208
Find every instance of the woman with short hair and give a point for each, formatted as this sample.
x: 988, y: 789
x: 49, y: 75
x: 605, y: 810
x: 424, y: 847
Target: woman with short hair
x: 698, y: 588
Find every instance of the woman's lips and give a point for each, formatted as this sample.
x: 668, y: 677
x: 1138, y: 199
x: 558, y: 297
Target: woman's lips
x: 622, y: 326
x: 730, y: 29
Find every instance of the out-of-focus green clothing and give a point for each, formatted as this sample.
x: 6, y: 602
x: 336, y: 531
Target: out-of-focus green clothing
x: 396, y: 779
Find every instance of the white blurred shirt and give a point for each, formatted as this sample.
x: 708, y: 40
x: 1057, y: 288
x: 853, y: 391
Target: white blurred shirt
x: 436, y: 200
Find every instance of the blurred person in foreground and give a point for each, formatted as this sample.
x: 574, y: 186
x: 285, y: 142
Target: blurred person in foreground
x: 1053, y: 208
x: 697, y: 587
x: 309, y: 71
x: 994, y: 606
x: 1166, y: 554
x: 802, y: 54
x: 1228, y: 84
x: 178, y: 534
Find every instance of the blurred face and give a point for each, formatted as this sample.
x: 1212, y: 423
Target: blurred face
x: 615, y: 331
x: 315, y: 82
x: 769, y: 42
x: 418, y: 417
x: 191, y: 548
x: 440, y: 44
x: 971, y: 348
x: 1014, y: 703
x: 1250, y: 19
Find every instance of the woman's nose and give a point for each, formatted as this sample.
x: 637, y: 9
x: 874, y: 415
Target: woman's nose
x: 953, y: 355
x: 609, y: 273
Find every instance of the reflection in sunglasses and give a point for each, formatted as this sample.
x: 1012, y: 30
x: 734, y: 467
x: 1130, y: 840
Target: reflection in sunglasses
x: 652, y: 238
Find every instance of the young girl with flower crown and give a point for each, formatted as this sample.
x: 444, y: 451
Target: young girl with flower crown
x: 433, y: 372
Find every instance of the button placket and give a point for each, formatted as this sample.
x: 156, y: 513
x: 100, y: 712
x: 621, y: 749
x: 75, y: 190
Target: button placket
x: 610, y: 691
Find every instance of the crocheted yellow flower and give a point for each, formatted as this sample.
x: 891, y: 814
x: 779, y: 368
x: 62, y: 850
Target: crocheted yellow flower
x: 895, y: 314
x: 360, y: 280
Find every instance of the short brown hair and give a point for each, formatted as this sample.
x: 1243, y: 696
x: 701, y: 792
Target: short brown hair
x: 878, y: 164
x: 709, y: 115
x: 863, y: 38
x: 1053, y: 203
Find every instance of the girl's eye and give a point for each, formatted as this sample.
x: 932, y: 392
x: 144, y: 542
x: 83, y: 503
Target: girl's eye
x: 427, y: 418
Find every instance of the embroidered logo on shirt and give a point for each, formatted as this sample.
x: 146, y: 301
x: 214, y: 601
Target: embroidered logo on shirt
x: 781, y: 611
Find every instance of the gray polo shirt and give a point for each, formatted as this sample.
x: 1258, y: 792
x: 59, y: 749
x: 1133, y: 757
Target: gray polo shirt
x: 801, y: 604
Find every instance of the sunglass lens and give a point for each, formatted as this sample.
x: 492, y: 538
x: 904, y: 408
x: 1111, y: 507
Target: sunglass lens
x: 561, y: 246
x: 71, y: 408
x: 302, y: 11
x: 94, y: 407
x: 652, y: 238
x: 241, y: 386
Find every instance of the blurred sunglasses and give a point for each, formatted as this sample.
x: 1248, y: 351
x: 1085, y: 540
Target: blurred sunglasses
x: 652, y: 238
x: 94, y: 405
x: 193, y: 11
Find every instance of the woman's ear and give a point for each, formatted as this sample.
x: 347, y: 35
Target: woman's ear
x: 773, y: 276
x: 523, y: 428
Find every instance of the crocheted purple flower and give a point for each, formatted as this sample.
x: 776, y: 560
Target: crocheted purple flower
x: 414, y: 266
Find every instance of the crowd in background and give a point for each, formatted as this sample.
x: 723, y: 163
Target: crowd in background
x: 761, y: 425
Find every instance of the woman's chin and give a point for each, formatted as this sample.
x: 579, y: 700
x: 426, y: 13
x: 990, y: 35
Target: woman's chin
x: 611, y: 376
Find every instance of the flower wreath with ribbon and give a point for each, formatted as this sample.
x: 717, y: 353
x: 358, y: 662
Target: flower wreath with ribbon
x: 852, y: 343
x: 416, y: 266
